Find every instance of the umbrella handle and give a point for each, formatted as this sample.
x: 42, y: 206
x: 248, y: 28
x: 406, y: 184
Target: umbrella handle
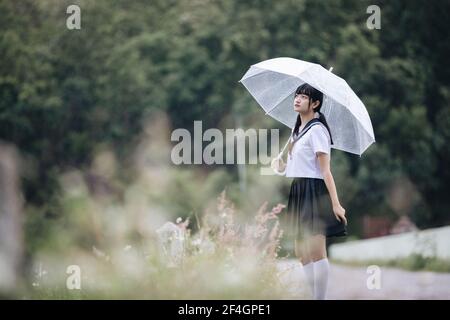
x: 281, y: 153
x: 272, y: 164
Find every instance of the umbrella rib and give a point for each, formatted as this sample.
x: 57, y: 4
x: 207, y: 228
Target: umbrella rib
x: 289, y: 76
x: 281, y: 73
x: 254, y: 75
x: 278, y: 102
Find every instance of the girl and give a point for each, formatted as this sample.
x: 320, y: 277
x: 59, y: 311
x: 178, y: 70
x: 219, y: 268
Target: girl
x: 314, y: 212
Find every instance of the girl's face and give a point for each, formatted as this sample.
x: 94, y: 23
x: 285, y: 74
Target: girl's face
x: 301, y: 104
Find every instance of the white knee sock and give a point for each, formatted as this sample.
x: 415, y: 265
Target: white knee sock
x: 309, y: 273
x: 321, y: 269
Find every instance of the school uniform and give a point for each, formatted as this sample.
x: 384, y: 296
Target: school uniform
x: 309, y: 210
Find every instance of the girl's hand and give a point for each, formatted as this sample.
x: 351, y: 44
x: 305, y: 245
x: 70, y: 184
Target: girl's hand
x: 282, y: 164
x: 339, y: 213
x: 278, y: 164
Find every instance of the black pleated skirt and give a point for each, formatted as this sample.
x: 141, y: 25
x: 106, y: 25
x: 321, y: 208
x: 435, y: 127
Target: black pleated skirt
x: 310, y: 211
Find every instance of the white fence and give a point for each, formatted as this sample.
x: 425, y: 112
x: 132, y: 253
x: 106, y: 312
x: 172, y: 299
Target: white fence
x: 429, y: 243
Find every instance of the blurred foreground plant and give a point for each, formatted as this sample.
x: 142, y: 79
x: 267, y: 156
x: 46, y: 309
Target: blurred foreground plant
x: 221, y: 260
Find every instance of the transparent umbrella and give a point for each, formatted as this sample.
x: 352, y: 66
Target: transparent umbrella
x: 273, y: 83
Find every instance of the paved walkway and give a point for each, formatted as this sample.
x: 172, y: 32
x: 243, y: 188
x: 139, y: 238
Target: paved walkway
x: 351, y: 283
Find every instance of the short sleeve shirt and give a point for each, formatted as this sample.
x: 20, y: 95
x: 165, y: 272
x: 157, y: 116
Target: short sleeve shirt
x: 303, y: 161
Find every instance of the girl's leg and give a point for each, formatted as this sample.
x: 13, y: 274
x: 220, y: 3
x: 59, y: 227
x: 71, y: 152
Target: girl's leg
x: 318, y: 255
x: 302, y: 252
x: 317, y: 247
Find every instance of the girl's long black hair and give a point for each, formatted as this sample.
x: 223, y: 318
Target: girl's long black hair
x: 314, y: 95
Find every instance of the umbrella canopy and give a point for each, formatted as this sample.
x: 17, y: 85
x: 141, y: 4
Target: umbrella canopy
x: 273, y: 83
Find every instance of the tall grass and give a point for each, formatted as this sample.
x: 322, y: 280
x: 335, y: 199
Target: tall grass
x: 222, y: 259
x: 150, y: 230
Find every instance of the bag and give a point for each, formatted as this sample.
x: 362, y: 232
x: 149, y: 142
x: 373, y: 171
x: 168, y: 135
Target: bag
x: 275, y: 164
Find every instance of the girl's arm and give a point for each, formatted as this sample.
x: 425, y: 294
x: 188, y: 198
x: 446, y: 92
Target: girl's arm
x: 324, y: 163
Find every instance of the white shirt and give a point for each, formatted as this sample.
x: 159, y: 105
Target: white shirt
x: 303, y: 162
